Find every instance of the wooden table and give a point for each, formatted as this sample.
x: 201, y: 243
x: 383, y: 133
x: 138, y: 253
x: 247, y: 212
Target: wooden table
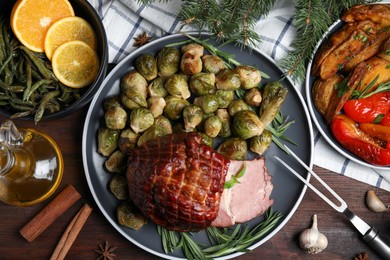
x: 344, y: 241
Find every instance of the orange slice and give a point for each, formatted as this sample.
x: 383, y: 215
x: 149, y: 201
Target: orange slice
x: 30, y: 20
x: 68, y: 29
x: 75, y: 64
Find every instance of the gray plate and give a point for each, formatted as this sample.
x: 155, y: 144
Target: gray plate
x: 288, y: 190
x: 319, y: 121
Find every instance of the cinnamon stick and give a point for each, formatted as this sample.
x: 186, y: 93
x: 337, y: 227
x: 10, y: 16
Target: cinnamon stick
x: 71, y: 233
x: 50, y: 213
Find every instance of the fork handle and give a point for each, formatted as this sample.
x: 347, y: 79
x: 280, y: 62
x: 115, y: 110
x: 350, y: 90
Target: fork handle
x: 379, y: 243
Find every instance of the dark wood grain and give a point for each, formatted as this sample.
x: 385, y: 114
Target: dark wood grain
x: 344, y: 241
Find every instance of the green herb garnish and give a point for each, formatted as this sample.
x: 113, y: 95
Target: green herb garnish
x: 278, y: 126
x: 234, y: 178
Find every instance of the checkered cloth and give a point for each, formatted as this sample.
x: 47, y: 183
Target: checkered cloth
x: 125, y: 19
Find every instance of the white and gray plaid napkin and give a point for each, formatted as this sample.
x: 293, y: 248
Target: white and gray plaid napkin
x: 125, y: 19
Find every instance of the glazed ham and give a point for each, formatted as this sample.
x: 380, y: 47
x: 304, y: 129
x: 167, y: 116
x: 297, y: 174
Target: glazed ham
x: 178, y: 182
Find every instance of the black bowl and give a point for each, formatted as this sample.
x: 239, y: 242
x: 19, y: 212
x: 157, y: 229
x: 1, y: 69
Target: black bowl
x: 85, y: 10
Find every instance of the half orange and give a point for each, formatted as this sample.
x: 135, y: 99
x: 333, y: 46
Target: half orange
x: 30, y: 19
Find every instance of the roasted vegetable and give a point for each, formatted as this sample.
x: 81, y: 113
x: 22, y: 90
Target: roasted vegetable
x: 132, y: 100
x: 378, y: 13
x: 107, y: 141
x: 385, y: 50
x: 274, y: 94
x: 377, y: 71
x: 350, y: 136
x: 192, y: 116
x: 118, y: 187
x: 225, y: 97
x: 202, y: 83
x: 174, y: 107
x: 260, y: 143
x: 146, y: 65
x: 233, y: 148
x: 190, y: 63
x: 127, y: 140
x: 193, y: 47
x: 134, y: 82
x: 161, y: 127
x: 111, y: 102
x: 212, y: 126
x: 116, y: 162
x: 115, y: 118
x: 224, y: 117
x: 177, y: 86
x: 129, y: 216
x: 168, y: 61
x: 156, y: 88
x: 253, y: 97
x: 227, y: 79
x: 378, y: 131
x: 141, y: 119
x: 236, y: 106
x: 209, y: 103
x: 156, y: 105
x: 213, y: 64
x: 323, y: 92
x: 247, y: 124
x: 250, y: 77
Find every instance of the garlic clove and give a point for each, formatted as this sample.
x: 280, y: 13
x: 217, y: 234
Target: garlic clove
x: 312, y: 240
x: 374, y: 203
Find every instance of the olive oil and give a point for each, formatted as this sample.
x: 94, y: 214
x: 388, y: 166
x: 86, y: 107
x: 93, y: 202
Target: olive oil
x: 31, y: 172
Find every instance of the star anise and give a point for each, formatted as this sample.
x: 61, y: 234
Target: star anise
x: 106, y: 252
x: 362, y: 256
x: 141, y: 39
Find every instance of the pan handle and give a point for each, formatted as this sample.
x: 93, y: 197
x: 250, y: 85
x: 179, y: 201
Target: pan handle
x: 379, y: 243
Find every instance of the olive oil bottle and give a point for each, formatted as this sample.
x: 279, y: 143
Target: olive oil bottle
x: 31, y: 165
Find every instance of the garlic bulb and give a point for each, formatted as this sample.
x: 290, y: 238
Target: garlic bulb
x: 312, y: 240
x: 374, y: 203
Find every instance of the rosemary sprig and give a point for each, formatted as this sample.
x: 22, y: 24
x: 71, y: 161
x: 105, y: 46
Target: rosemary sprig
x: 278, y: 126
x: 235, y: 178
x: 224, y: 241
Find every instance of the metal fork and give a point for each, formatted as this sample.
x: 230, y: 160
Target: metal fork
x: 377, y: 242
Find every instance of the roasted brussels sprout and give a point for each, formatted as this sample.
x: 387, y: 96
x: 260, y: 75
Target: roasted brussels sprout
x: 253, y: 97
x: 209, y: 103
x: 107, y: 141
x: 156, y: 105
x: 112, y: 101
x: 196, y: 48
x: 116, y: 162
x: 134, y: 82
x: 190, y: 63
x: 260, y: 143
x: 212, y: 126
x: 247, y: 124
x: 141, y: 119
x: 250, y: 77
x: 127, y: 140
x: 202, y: 83
x: 227, y: 79
x: 156, y: 88
x: 174, y: 107
x: 233, y: 148
x: 130, y: 216
x: 237, y: 106
x: 118, y: 187
x: 132, y: 100
x: 213, y: 64
x: 115, y: 118
x: 225, y: 97
x: 146, y: 65
x: 207, y: 140
x: 274, y: 94
x: 168, y: 60
x: 224, y: 117
x: 177, y: 86
x: 161, y: 127
x: 192, y: 116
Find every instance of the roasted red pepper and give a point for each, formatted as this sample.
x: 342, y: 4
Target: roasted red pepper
x: 350, y: 136
x: 366, y: 110
x: 386, y: 120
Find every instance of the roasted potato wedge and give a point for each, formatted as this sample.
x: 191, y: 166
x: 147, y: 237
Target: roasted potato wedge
x: 385, y: 50
x: 378, y: 13
x: 323, y: 92
x: 376, y: 68
x: 338, y: 38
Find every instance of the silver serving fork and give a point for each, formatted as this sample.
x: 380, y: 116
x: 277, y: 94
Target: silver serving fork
x: 377, y: 242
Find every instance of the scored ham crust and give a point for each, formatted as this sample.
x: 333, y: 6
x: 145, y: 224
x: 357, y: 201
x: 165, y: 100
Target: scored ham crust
x: 178, y: 182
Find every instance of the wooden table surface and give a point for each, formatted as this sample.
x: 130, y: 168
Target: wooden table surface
x: 344, y: 241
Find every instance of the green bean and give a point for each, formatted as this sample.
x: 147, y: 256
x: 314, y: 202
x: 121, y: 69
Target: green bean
x: 8, y: 88
x: 20, y: 107
x: 44, y: 101
x: 22, y: 114
x: 39, y: 64
x: 29, y: 90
